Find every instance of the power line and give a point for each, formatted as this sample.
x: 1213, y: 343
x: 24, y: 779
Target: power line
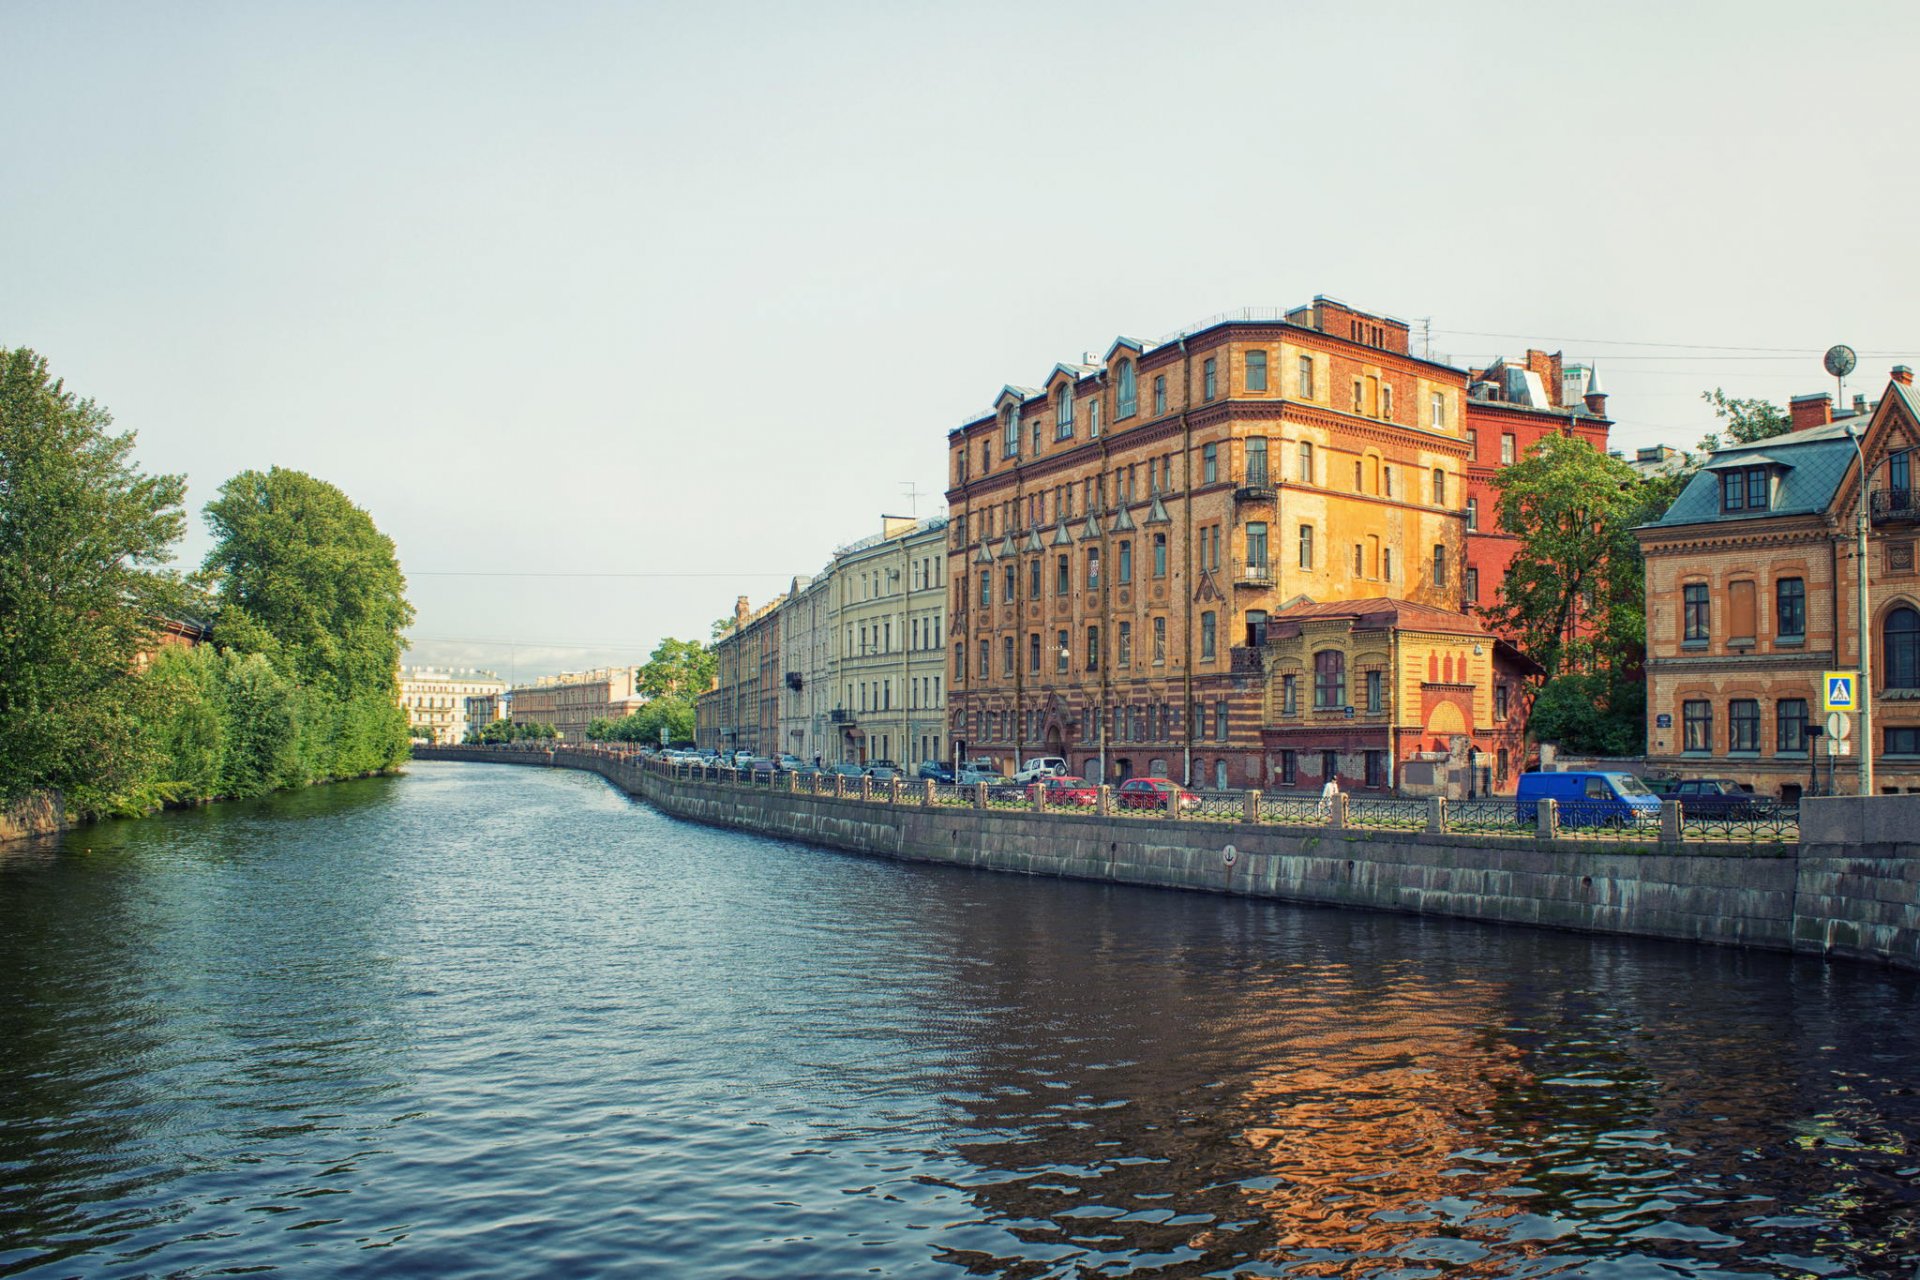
x: 1624, y: 342
x: 544, y: 573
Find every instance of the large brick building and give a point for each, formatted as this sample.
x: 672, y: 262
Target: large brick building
x: 1753, y: 590
x: 1121, y: 535
x: 742, y: 711
x: 1511, y: 407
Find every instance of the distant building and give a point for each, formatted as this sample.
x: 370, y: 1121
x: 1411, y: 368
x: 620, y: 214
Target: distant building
x: 1511, y: 407
x: 1655, y: 460
x: 485, y: 708
x: 742, y: 711
x: 806, y: 669
x: 173, y: 633
x: 573, y: 700
x: 889, y: 637
x: 436, y: 699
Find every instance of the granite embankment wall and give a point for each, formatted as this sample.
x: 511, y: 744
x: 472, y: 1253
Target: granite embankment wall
x: 1850, y: 889
x: 40, y: 814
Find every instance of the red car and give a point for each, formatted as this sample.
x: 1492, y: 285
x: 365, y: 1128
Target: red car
x: 1068, y: 790
x: 1154, y: 793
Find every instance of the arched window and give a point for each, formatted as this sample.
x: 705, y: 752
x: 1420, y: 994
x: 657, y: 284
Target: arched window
x: 1126, y: 393
x: 1063, y: 413
x: 1900, y: 643
x: 1009, y: 432
x: 1329, y: 678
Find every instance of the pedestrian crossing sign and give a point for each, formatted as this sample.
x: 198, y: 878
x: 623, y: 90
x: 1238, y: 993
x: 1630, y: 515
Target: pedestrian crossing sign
x: 1842, y: 691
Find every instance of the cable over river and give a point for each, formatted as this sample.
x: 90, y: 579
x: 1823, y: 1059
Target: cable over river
x: 503, y: 1022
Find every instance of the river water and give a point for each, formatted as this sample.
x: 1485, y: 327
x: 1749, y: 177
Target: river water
x: 502, y: 1022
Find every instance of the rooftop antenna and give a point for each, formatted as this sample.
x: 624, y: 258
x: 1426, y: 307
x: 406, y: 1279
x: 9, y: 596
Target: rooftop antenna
x: 913, y: 499
x: 1426, y: 335
x: 1839, y: 362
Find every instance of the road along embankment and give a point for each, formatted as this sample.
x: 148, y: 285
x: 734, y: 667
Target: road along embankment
x: 1849, y: 888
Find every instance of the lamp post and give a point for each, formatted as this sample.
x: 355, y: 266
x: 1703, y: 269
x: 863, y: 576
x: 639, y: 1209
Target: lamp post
x: 1864, y: 681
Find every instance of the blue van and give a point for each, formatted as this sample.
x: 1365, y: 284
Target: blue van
x: 1588, y: 799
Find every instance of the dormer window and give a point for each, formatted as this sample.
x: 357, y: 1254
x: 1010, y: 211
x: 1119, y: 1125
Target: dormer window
x: 1126, y: 394
x: 1009, y: 432
x: 1063, y: 413
x: 1746, y: 489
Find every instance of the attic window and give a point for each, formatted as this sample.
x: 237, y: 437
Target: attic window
x: 1746, y: 489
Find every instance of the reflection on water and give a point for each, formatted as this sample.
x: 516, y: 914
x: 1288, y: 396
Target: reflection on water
x: 487, y: 1021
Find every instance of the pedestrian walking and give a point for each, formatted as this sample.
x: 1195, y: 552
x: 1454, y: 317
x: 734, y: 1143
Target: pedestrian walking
x: 1327, y: 794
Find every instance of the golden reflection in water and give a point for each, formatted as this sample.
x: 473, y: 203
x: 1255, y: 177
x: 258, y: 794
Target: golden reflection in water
x: 1361, y: 1121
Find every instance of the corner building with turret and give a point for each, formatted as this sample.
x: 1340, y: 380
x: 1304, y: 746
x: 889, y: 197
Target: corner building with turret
x: 1121, y: 534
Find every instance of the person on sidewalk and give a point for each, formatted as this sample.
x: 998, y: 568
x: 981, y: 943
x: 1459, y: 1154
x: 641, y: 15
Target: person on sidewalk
x: 1327, y: 794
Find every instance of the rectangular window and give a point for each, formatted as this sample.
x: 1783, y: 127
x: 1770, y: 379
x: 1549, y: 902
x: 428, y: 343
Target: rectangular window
x: 1306, y: 546
x: 1790, y: 609
x: 1209, y: 380
x: 1696, y: 613
x: 1289, y: 695
x: 1386, y: 401
x: 1210, y: 464
x: 1500, y: 701
x: 1159, y: 641
x: 1790, y: 724
x: 1289, y: 767
x: 1033, y: 653
x: 1506, y: 449
x: 1033, y: 578
x: 1006, y: 655
x: 1757, y: 489
x: 1373, y: 691
x: 1329, y: 679
x: 1159, y: 555
x: 1741, y: 623
x: 1093, y: 568
x: 1123, y: 571
x: 1359, y: 394
x: 1472, y: 589
x: 1160, y: 394
x: 1733, y: 491
x: 1093, y: 648
x: 1206, y: 635
x: 1257, y: 460
x: 986, y: 659
x: 1220, y: 720
x: 1093, y: 418
x: 1062, y: 575
x: 1306, y: 377
x: 1439, y: 402
x: 1123, y: 645
x: 1696, y: 723
x: 1903, y: 742
x: 1743, y: 725
x: 1257, y: 546
x: 1256, y: 371
x: 1061, y: 652
x: 1473, y: 444
x: 1376, y: 768
x: 1439, y: 487
x: 1306, y: 462
x: 1008, y: 584
x: 1386, y: 564
x: 1473, y: 514
x: 1439, y: 566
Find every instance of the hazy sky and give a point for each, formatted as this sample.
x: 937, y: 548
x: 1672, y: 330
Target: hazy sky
x: 699, y: 289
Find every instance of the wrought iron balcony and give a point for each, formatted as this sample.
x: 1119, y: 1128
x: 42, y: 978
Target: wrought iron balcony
x: 1894, y: 506
x: 1246, y: 660
x: 1253, y: 575
x: 838, y: 716
x: 1255, y: 486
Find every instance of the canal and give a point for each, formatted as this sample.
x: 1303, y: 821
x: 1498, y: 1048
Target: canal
x: 504, y: 1022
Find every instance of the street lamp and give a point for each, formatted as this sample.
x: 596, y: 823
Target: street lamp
x: 1864, y: 684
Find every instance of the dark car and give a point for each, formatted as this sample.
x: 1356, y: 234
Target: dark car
x: 1720, y: 798
x: 934, y: 771
x: 1154, y: 793
x: 845, y: 769
x: 1066, y: 790
x: 884, y: 771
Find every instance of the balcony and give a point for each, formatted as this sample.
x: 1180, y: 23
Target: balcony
x: 1253, y: 575
x: 1255, y: 486
x: 842, y: 717
x: 1246, y: 660
x: 1894, y: 506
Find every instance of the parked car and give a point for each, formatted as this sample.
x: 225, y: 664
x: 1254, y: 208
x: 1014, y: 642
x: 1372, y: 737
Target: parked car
x: 788, y: 763
x: 759, y: 764
x: 846, y: 769
x: 1038, y: 769
x: 1066, y: 790
x: 1154, y: 793
x: 884, y: 771
x: 935, y: 771
x: 1588, y: 799
x: 969, y: 776
x: 1721, y: 798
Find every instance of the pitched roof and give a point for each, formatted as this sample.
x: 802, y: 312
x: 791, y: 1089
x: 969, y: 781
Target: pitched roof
x: 1813, y: 464
x: 1380, y: 612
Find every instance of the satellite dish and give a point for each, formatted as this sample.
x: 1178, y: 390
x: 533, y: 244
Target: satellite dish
x: 1840, y: 360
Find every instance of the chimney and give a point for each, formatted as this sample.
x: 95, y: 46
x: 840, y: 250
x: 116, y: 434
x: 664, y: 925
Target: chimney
x: 1903, y: 375
x: 741, y: 610
x: 1860, y: 406
x: 1811, y: 411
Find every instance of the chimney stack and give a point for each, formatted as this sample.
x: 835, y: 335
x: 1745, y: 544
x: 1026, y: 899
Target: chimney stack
x: 741, y: 611
x: 1811, y: 411
x: 1903, y: 375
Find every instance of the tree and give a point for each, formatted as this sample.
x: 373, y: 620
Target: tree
x: 1747, y: 420
x: 307, y: 581
x: 83, y: 533
x: 678, y: 667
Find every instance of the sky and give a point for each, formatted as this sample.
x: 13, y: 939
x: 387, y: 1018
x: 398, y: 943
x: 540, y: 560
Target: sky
x: 675, y: 299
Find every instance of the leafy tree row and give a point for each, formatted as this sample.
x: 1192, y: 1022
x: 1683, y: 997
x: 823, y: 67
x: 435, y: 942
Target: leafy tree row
x: 304, y: 595
x: 505, y: 731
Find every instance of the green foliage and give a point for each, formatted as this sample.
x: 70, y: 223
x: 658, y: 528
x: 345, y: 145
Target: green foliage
x: 673, y: 711
x: 82, y: 535
x: 307, y: 582
x: 1747, y: 420
x: 505, y: 731
x: 1591, y: 714
x: 678, y: 667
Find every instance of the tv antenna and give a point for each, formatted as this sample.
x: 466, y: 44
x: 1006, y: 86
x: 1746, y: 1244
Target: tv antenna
x: 913, y: 499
